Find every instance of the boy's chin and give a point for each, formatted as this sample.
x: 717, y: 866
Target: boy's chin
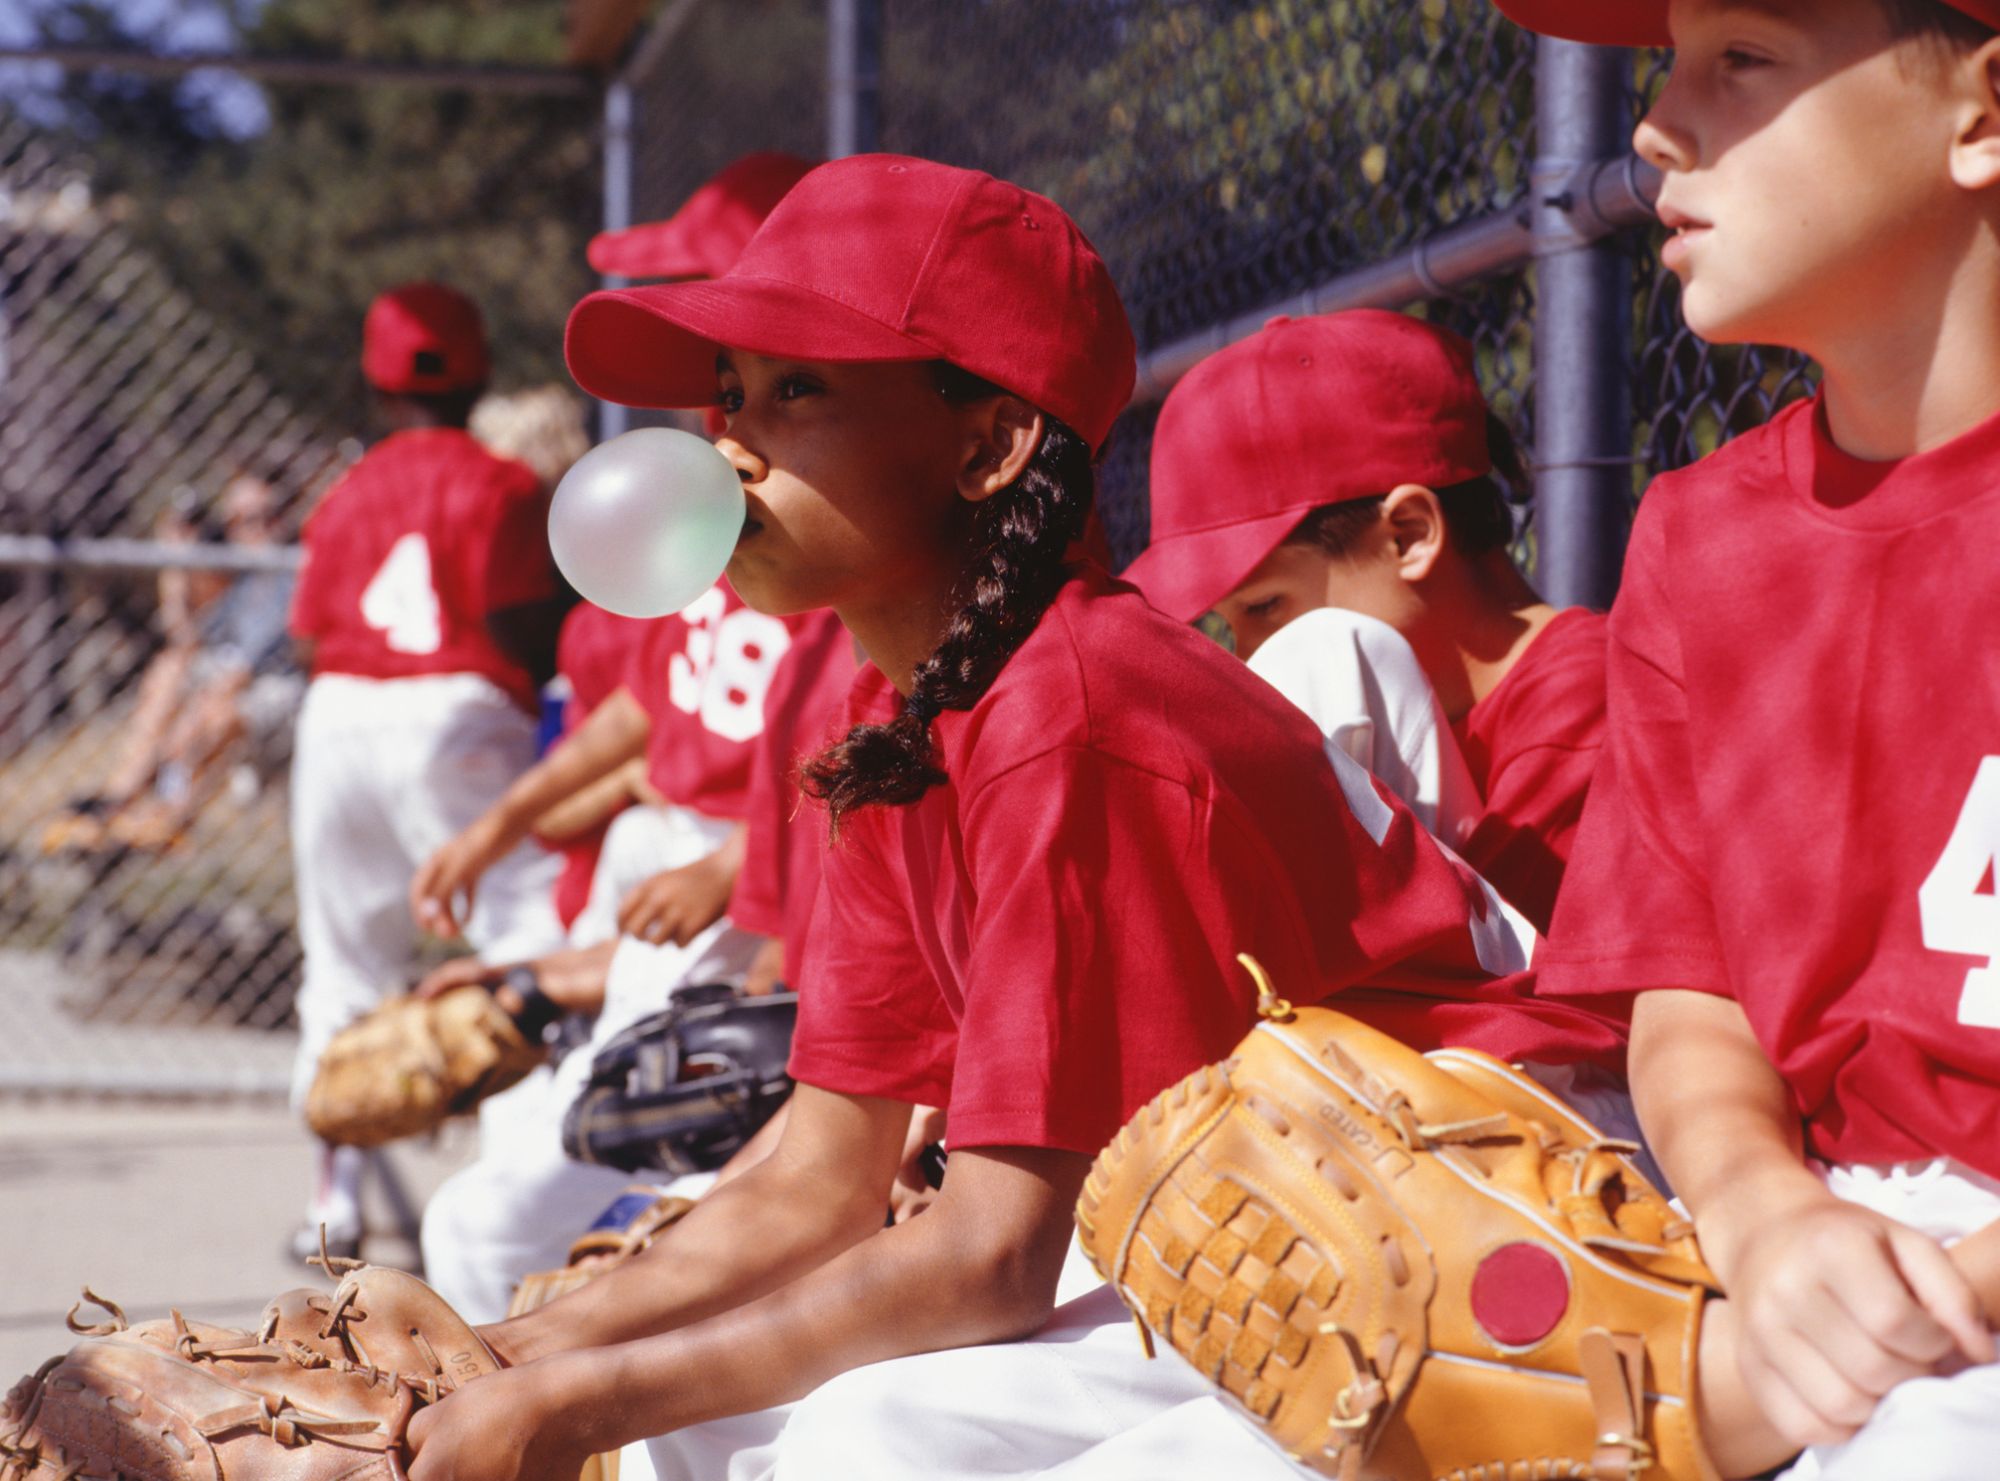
x: 1710, y: 317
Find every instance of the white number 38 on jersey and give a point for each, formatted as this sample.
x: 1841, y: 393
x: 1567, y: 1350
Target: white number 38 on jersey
x: 726, y: 669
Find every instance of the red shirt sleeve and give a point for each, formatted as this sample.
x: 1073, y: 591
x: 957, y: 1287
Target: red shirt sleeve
x: 1523, y: 840
x: 757, y: 902
x: 1098, y: 952
x: 873, y: 1021
x: 516, y: 568
x: 1635, y: 911
x: 1096, y: 929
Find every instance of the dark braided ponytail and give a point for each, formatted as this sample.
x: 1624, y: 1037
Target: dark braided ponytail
x: 1013, y: 571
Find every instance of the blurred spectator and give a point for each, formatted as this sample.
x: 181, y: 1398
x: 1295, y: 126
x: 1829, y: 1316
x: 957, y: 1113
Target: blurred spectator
x: 541, y: 426
x: 220, y: 677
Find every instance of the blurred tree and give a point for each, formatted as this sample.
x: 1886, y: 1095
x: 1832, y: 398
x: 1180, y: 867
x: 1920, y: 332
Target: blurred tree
x: 286, y: 233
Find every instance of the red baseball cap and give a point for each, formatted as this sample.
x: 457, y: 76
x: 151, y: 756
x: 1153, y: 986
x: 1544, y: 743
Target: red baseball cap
x: 423, y: 338
x: 709, y: 231
x: 1643, y: 22
x: 1303, y: 413
x: 883, y: 257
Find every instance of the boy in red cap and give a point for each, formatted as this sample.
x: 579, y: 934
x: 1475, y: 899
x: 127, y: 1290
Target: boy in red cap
x: 427, y: 610
x: 1058, y: 816
x: 1789, y: 849
x: 1332, y: 488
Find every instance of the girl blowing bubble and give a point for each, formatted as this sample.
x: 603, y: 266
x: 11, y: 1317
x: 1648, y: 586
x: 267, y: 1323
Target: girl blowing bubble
x: 1056, y: 816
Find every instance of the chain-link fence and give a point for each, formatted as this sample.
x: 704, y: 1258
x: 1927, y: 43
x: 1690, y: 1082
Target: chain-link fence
x: 155, y: 470
x: 150, y: 481
x: 1224, y: 155
x: 1228, y: 156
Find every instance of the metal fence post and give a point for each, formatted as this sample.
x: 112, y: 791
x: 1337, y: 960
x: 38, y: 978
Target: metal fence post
x: 1583, y: 333
x: 853, y: 77
x: 611, y: 418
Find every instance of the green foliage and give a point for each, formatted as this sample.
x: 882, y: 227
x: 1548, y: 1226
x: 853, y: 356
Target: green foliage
x: 286, y: 235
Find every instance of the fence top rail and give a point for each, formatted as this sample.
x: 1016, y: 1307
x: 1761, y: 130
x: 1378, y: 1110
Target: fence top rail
x: 41, y: 553
x: 333, y: 71
x: 1595, y: 200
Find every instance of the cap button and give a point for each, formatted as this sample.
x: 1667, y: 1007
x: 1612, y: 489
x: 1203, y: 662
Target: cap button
x: 899, y: 169
x: 1276, y: 319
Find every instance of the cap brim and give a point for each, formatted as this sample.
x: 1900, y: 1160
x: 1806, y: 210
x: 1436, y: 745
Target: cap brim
x: 1601, y: 22
x: 1186, y: 575
x: 656, y: 346
x: 658, y: 249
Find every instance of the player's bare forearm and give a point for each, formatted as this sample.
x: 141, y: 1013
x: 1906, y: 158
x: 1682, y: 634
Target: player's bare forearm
x: 823, y: 1189
x: 980, y: 1267
x: 613, y: 734
x: 590, y: 806
x: 1718, y: 1118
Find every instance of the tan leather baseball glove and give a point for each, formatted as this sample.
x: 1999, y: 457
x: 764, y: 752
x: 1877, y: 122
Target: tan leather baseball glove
x: 413, y: 1062
x: 323, y: 1389
x: 634, y: 1219
x: 1405, y: 1267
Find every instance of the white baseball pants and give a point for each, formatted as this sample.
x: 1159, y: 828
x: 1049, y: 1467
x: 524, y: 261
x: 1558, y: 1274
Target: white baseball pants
x: 1078, y: 1399
x: 384, y: 772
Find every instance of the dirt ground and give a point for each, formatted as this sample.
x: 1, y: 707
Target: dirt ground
x: 158, y: 1205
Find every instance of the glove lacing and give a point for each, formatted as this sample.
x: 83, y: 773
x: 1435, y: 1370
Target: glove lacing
x: 22, y: 1451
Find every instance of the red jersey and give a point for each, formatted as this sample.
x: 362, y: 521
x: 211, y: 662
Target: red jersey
x: 703, y: 676
x: 409, y: 552
x: 1048, y: 939
x: 591, y: 655
x: 1532, y: 746
x: 781, y: 860
x: 1799, y: 802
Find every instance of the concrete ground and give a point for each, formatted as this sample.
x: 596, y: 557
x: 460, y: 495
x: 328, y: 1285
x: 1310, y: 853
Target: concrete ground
x: 159, y: 1204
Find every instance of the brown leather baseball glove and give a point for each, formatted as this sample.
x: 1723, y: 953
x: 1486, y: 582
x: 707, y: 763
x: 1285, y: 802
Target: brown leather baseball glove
x: 633, y: 1220
x: 413, y: 1062
x: 1406, y: 1267
x: 323, y: 1389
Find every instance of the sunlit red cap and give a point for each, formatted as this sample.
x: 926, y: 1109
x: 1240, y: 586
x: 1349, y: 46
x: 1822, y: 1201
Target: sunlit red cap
x: 422, y: 339
x: 707, y: 234
x: 1303, y: 413
x: 883, y: 257
x: 1643, y: 22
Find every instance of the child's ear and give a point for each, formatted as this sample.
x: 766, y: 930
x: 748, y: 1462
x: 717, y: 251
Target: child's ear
x: 1975, y: 149
x: 1006, y: 435
x: 1414, y: 516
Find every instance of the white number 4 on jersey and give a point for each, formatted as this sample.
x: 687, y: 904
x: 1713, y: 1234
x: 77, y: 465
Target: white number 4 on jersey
x: 1958, y: 902
x: 401, y: 603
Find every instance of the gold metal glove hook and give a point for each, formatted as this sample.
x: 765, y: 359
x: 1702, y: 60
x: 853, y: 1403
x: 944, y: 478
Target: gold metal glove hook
x: 1269, y: 1004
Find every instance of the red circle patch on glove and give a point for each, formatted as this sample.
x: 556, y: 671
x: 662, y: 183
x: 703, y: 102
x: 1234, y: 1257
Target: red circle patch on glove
x: 1519, y: 1294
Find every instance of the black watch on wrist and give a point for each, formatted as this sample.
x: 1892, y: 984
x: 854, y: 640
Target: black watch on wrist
x: 538, y: 1011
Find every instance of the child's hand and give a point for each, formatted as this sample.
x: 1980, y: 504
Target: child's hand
x: 1837, y: 1306
x: 509, y: 1426
x: 679, y: 904
x: 441, y: 890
